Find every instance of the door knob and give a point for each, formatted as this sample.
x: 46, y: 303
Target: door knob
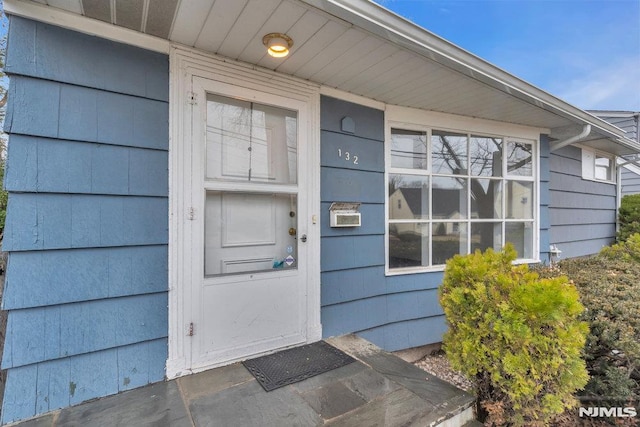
x: 303, y: 238
x: 292, y: 231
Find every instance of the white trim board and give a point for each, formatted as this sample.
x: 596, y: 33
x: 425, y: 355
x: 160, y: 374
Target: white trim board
x: 94, y: 27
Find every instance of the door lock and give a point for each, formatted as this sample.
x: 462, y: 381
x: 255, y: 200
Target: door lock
x: 303, y: 238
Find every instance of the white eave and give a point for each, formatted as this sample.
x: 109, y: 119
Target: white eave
x: 354, y: 46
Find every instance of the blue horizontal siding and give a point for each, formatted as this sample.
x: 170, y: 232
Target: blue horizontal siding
x: 630, y: 182
x: 61, y: 221
x: 41, y: 278
x: 343, y: 185
x: 351, y: 152
x: 340, y: 253
x: 413, y: 305
x: 581, y: 212
x: 340, y: 319
x: 362, y: 314
x: 372, y: 218
x: 353, y: 284
x: 56, y: 110
x: 347, y: 285
x: 356, y: 295
x: 55, y: 384
x: 47, y: 333
x: 413, y: 333
x: 61, y: 166
x: 369, y: 122
x: 87, y: 221
x: 34, y: 49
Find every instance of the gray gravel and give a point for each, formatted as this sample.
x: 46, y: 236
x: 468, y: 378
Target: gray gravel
x: 438, y: 365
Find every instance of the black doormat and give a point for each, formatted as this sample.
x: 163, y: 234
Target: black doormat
x: 296, y: 364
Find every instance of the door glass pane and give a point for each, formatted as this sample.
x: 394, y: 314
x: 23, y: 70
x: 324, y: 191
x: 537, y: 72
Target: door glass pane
x: 449, y: 239
x: 408, y: 196
x: 408, y: 149
x: 408, y: 245
x: 449, y: 153
x: 449, y: 198
x: 249, y: 232
x: 486, y: 235
x: 485, y: 156
x: 253, y: 142
x: 519, y: 159
x: 519, y: 198
x: 520, y: 235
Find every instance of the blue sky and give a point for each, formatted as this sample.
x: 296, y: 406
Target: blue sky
x: 586, y: 52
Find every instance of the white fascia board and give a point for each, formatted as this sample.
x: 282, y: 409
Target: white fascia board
x: 404, y: 33
x: 408, y: 116
x: 72, y: 21
x: 350, y: 97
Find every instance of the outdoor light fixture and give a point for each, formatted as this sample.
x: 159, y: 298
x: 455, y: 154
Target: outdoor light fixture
x: 277, y: 44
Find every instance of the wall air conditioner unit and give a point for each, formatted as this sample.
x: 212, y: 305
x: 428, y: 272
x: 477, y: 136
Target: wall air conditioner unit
x: 345, y: 214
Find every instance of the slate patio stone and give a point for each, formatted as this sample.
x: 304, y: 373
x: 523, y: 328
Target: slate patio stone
x: 330, y: 377
x: 425, y: 385
x: 44, y: 421
x: 333, y: 400
x: 249, y: 405
x: 213, y: 381
x: 370, y: 385
x: 400, y: 408
x: 159, y: 404
x: 378, y: 389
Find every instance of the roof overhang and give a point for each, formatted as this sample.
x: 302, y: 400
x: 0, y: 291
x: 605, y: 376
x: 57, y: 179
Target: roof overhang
x: 354, y: 46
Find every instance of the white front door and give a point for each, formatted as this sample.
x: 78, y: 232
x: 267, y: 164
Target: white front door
x: 249, y: 249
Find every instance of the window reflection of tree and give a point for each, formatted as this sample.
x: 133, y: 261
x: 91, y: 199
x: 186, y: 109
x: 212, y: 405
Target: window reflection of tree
x: 514, y: 151
x: 484, y: 161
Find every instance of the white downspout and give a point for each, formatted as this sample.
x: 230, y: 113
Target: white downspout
x: 586, y: 130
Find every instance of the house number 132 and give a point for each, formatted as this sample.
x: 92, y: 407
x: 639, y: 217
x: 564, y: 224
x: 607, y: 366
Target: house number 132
x: 347, y: 156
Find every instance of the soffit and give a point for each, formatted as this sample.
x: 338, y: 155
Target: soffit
x: 340, y: 46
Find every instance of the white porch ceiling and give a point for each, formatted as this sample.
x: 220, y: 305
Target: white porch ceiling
x: 354, y: 46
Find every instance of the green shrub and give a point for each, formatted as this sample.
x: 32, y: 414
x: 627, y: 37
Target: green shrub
x: 517, y: 335
x: 609, y: 287
x: 629, y: 216
x: 627, y: 250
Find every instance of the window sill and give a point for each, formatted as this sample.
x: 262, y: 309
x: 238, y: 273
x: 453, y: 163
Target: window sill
x: 601, y: 181
x: 440, y: 268
x: 413, y: 270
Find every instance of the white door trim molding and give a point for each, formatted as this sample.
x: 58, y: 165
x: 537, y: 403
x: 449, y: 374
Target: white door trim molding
x: 184, y: 65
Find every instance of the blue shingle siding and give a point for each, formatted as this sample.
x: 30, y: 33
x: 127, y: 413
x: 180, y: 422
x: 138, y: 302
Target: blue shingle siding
x: 630, y: 182
x: 356, y: 294
x: 582, y: 213
x: 87, y: 221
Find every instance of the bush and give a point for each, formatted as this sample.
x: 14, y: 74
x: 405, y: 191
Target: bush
x: 628, y: 250
x: 517, y: 335
x: 609, y: 289
x: 629, y: 216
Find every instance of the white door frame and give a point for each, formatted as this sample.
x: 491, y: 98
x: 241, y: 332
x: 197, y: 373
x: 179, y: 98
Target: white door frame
x: 186, y: 63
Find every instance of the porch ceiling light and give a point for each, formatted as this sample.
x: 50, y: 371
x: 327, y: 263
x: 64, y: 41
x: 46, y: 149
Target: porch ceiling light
x: 277, y: 44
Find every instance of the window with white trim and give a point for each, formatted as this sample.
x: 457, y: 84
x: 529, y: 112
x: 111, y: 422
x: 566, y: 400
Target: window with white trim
x: 454, y: 192
x: 598, y: 166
